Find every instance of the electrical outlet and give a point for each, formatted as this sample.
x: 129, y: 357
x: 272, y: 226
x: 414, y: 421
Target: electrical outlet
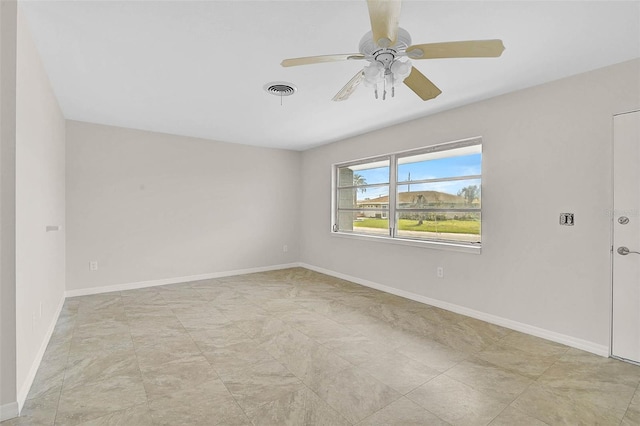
x: 440, y: 272
x: 93, y: 265
x: 285, y: 249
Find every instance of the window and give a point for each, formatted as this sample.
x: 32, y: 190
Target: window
x: 362, y: 197
x: 430, y: 194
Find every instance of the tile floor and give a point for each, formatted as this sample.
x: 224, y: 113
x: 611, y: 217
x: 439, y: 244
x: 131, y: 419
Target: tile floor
x: 295, y: 347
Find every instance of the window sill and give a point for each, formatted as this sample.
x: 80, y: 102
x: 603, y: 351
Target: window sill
x: 438, y: 245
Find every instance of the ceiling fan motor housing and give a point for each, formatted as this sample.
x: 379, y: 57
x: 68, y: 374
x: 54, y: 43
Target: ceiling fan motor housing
x: 384, y: 55
x: 385, y: 58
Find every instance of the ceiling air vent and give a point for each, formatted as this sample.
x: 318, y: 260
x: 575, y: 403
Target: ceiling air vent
x: 280, y: 88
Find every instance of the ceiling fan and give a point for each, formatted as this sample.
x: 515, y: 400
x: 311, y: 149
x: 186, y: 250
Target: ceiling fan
x: 388, y: 49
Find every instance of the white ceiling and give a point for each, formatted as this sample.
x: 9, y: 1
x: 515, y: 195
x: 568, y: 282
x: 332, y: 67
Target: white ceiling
x: 197, y: 68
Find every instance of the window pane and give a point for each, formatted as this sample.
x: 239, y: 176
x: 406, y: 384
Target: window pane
x: 421, y: 167
x: 347, y: 198
x: 455, y: 194
x: 364, y: 174
x: 370, y: 222
x: 364, y: 198
x: 446, y: 226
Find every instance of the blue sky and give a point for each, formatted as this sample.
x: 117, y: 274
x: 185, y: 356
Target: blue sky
x: 463, y: 165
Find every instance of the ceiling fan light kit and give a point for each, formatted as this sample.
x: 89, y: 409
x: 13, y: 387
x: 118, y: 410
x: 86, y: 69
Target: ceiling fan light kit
x: 388, y: 49
x: 386, y: 65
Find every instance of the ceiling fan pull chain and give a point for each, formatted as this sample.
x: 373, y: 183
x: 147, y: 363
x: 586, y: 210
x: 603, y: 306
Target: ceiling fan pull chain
x: 392, y: 81
x: 384, y: 89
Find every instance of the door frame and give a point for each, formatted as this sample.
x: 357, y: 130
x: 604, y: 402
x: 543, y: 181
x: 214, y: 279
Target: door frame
x: 612, y: 215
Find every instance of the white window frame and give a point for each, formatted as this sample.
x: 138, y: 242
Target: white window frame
x: 392, y: 210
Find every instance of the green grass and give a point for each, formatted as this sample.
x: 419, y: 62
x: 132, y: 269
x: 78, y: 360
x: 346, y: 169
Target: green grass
x: 446, y: 226
x: 372, y: 223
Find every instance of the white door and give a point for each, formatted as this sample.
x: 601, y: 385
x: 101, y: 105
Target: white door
x: 625, y: 342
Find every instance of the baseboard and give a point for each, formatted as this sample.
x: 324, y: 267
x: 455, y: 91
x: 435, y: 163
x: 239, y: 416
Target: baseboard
x: 176, y: 280
x: 9, y: 411
x: 26, y: 386
x: 564, y: 339
x: 553, y: 336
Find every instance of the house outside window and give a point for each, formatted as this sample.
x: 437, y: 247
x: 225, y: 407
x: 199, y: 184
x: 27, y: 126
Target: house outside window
x: 432, y: 194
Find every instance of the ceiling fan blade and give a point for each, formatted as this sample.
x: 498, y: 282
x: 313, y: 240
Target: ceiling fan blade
x: 294, y: 62
x: 421, y: 85
x: 350, y: 87
x: 384, y: 15
x: 457, y: 49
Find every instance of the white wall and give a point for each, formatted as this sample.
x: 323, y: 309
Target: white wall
x: 150, y: 206
x: 40, y: 201
x: 547, y: 150
x: 8, y: 399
